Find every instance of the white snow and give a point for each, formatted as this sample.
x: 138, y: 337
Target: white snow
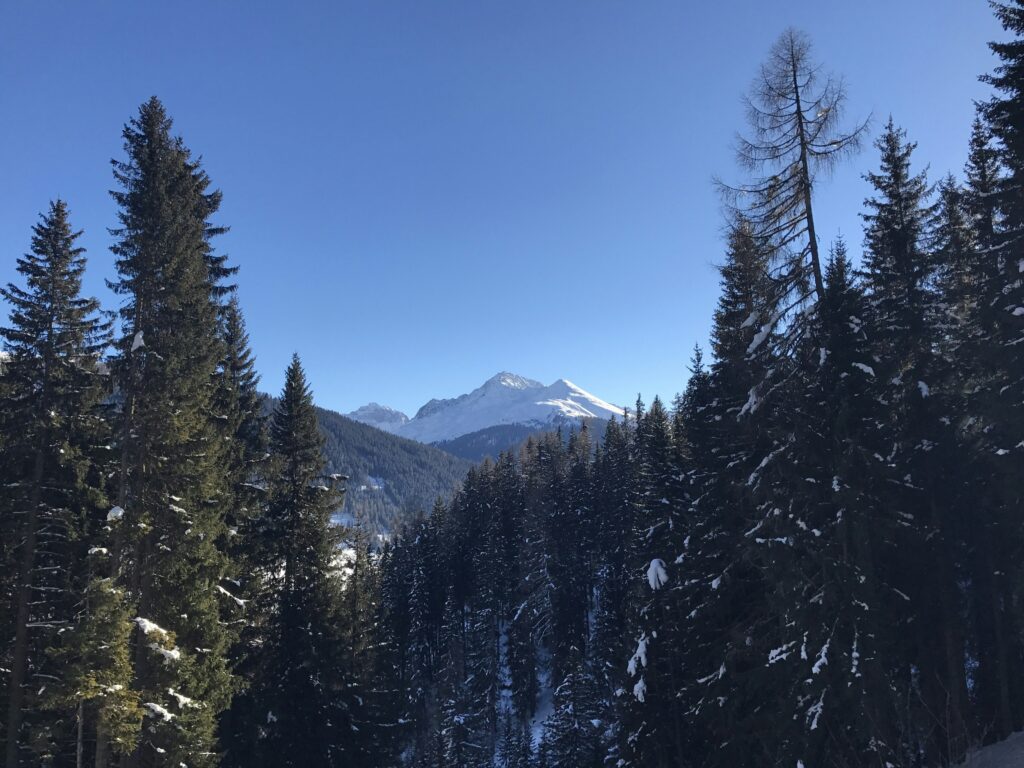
x: 925, y: 390
x: 639, y: 657
x: 149, y: 627
x: 379, y: 416
x: 183, y: 701
x: 238, y: 601
x: 503, y: 399
x: 822, y: 659
x: 815, y: 711
x: 138, y: 342
x: 115, y: 513
x: 155, y: 710
x: 657, y: 577
x: 866, y: 368
x: 640, y: 690
x: 1003, y: 754
x: 780, y: 653
x: 169, y: 654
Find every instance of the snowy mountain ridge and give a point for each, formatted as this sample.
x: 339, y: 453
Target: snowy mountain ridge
x: 379, y: 416
x: 504, y: 399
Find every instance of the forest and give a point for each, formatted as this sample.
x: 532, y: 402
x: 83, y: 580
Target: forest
x: 811, y: 557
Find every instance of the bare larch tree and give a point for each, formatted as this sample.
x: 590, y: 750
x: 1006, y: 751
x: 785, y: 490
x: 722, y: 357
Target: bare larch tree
x: 794, y: 113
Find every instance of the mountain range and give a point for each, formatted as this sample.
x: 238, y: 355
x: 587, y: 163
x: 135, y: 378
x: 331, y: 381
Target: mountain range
x: 514, y: 405
x: 397, y: 466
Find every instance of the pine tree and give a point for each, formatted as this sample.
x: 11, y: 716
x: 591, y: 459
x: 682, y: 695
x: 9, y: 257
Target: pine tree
x: 242, y: 426
x: 96, y: 679
x: 573, y: 737
x: 720, y: 591
x: 172, y: 483
x: 922, y: 453
x: 659, y: 531
x: 996, y: 413
x: 823, y: 688
x: 359, y: 632
x: 52, y: 485
x: 298, y: 687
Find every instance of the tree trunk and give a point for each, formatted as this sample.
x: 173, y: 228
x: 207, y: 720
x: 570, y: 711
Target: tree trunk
x: 102, y: 747
x: 80, y: 736
x: 805, y: 174
x: 19, y: 662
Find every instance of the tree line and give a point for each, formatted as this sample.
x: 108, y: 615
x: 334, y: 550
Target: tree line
x: 811, y: 557
x: 168, y: 556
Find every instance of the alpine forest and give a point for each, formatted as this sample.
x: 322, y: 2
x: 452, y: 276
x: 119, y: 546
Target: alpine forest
x: 810, y: 557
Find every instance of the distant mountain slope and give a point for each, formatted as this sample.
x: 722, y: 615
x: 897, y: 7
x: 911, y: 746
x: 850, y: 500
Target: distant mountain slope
x: 492, y: 441
x: 506, y: 400
x: 379, y: 416
x: 390, y: 478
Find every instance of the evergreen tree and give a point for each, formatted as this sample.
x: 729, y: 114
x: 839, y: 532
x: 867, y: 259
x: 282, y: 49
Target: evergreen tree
x: 358, y: 625
x: 172, y: 483
x: 923, y: 456
x: 52, y: 482
x: 823, y: 689
x: 96, y: 681
x: 242, y: 426
x: 997, y: 401
x: 299, y: 685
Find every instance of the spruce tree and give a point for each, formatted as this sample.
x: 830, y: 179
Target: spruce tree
x: 172, y: 495
x: 822, y: 683
x: 300, y: 712
x: 995, y: 406
x: 720, y: 590
x: 52, y: 485
x: 922, y: 453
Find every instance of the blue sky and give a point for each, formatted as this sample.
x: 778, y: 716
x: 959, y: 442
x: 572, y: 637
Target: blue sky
x: 422, y: 194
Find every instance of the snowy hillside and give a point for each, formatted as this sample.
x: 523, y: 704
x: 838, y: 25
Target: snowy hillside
x: 1004, y: 754
x: 504, y: 399
x: 379, y: 416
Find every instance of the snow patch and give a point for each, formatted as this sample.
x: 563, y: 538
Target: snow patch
x: 657, y: 576
x: 639, y: 657
x: 866, y: 368
x: 155, y: 710
x: 149, y: 627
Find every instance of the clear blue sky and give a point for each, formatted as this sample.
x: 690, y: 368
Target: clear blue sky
x: 422, y: 194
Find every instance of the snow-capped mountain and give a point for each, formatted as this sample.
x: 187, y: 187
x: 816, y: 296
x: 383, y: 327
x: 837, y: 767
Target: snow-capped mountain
x: 379, y: 416
x: 503, y: 399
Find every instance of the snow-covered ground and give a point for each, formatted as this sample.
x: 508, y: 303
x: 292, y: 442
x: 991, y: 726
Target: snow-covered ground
x: 1005, y: 754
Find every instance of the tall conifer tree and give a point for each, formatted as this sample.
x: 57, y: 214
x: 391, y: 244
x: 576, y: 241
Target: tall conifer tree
x: 299, y: 687
x: 172, y: 483
x: 52, y: 482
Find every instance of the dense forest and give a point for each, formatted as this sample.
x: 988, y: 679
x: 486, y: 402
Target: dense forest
x: 390, y: 479
x: 813, y: 556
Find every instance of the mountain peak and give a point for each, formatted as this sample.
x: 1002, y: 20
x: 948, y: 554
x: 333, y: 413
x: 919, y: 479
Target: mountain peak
x: 511, y: 381
x: 506, y: 399
x: 380, y: 416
